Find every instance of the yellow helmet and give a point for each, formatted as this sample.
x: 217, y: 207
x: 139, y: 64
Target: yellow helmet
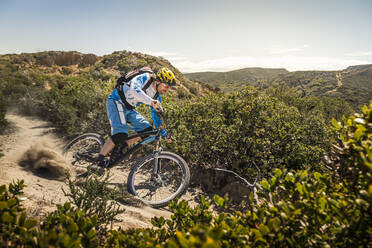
x: 166, y: 76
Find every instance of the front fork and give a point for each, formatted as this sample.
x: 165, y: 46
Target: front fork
x: 157, y: 177
x: 157, y: 165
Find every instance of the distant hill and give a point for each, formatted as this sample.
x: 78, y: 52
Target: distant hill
x: 232, y: 80
x: 354, y: 84
x: 69, y: 89
x: 33, y: 68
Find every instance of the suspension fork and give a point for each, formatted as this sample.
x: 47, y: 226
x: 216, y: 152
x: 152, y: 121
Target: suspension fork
x: 157, y: 165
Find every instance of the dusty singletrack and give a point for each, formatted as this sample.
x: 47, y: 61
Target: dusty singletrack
x: 43, y: 191
x: 339, y: 83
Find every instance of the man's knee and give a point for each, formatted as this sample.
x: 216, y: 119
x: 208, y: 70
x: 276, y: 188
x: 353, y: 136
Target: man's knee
x: 119, y: 139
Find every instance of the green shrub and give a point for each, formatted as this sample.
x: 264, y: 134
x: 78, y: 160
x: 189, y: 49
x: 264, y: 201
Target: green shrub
x: 355, y: 152
x: 76, y: 105
x: 13, y: 83
x: 295, y: 210
x: 16, y: 229
x: 68, y: 227
x: 234, y: 130
x: 327, y: 106
x: 94, y: 197
x: 65, y: 227
x: 3, y: 107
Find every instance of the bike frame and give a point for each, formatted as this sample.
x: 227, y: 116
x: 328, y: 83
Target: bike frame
x: 154, y: 136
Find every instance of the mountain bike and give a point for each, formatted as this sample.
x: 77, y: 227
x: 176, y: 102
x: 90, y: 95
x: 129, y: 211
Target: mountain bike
x: 156, y: 178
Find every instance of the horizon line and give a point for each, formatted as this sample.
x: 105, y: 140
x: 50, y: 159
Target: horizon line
x: 226, y: 68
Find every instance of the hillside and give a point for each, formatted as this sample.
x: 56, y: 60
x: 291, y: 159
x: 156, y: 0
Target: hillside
x: 66, y: 87
x: 354, y: 84
x: 31, y: 69
x: 232, y: 80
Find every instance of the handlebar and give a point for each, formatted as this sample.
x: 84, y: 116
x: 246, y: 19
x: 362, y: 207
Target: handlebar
x: 160, y: 113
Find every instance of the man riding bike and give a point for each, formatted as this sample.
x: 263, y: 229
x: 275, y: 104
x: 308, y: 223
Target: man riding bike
x: 145, y: 88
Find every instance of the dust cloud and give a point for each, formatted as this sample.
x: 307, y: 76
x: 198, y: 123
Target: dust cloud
x: 45, y: 160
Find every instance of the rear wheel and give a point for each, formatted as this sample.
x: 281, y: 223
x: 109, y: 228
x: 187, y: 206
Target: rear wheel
x: 158, y: 189
x: 81, y: 151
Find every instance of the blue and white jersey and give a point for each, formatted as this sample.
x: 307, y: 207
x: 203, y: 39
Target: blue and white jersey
x: 135, y: 96
x: 133, y: 91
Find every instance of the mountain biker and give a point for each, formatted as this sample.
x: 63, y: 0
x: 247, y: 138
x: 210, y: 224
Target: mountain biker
x: 121, y: 111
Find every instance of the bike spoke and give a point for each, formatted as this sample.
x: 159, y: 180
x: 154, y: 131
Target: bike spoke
x: 162, y: 186
x: 80, y: 153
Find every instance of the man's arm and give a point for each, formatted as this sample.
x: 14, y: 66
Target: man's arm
x: 157, y: 122
x: 136, y: 88
x: 155, y: 118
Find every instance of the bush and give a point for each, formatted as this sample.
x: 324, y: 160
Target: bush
x: 68, y: 227
x: 355, y: 151
x: 94, y: 197
x: 16, y: 229
x: 3, y: 107
x: 296, y: 209
x: 326, y: 106
x: 234, y: 130
x: 65, y: 227
x: 76, y: 105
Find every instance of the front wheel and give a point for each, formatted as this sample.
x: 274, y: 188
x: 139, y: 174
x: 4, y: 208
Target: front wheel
x: 158, y: 188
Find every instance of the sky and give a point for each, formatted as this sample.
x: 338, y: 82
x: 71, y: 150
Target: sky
x: 197, y: 35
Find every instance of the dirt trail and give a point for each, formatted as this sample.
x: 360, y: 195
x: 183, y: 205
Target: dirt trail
x: 339, y: 83
x: 43, y: 194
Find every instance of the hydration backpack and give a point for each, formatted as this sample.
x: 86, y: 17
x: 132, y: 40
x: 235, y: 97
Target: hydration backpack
x: 121, y: 81
x: 131, y: 74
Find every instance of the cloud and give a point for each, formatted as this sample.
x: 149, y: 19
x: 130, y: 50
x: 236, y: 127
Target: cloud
x: 279, y: 60
x: 176, y: 58
x: 289, y: 50
x: 359, y: 54
x: 167, y: 55
x: 159, y: 53
x: 279, y: 50
x: 291, y: 63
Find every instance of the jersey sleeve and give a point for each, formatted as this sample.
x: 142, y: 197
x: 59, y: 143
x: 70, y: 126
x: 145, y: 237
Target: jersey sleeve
x: 136, y: 88
x: 155, y: 118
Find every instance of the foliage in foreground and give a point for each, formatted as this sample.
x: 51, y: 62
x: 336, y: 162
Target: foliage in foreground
x: 94, y: 197
x: 302, y: 210
x: 65, y: 227
x: 296, y: 209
